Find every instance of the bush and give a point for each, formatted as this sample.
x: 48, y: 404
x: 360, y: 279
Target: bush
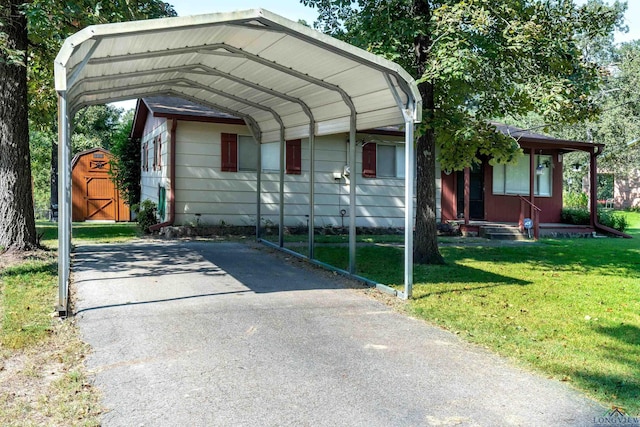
x: 579, y: 216
x: 611, y: 219
x: 575, y: 200
x: 147, y: 215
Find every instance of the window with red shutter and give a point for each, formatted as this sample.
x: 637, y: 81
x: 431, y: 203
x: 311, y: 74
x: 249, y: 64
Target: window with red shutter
x: 294, y: 157
x: 229, y: 152
x: 369, y: 160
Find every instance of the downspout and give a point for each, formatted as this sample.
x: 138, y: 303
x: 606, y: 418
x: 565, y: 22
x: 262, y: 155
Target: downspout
x: 172, y: 181
x: 593, y: 171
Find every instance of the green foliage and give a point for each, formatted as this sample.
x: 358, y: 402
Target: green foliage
x: 95, y: 126
x: 147, y: 213
x: 40, y: 146
x: 606, y: 217
x: 612, y: 219
x: 50, y: 22
x: 483, y: 60
x: 577, y: 216
x: 125, y: 166
x: 575, y: 200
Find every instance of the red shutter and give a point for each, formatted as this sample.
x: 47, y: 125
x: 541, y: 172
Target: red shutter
x: 229, y: 144
x: 369, y: 160
x: 294, y: 154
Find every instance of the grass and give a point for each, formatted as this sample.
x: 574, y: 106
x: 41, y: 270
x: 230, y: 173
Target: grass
x: 42, y: 377
x: 568, y: 308
x: 89, y: 232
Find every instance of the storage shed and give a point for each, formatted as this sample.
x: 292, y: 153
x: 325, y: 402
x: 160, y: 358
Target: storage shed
x: 94, y: 194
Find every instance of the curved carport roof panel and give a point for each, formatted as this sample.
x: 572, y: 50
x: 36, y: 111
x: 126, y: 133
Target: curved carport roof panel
x: 285, y: 80
x: 261, y: 52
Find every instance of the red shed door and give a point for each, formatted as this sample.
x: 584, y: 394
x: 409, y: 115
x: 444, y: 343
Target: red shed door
x: 99, y: 199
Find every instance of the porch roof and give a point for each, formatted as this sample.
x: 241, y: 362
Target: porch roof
x: 528, y: 139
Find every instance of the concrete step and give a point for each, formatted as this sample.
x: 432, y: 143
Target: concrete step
x: 501, y: 233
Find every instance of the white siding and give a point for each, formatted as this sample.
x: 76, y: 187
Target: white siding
x: 230, y: 197
x: 151, y: 179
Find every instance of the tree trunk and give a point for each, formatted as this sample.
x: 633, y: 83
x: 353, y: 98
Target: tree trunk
x: 425, y: 249
x: 17, y: 223
x: 426, y: 241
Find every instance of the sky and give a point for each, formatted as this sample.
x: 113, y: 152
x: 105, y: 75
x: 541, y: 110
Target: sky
x: 294, y: 10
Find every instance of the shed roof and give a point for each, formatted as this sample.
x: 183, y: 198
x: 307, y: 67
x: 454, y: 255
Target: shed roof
x: 271, y: 72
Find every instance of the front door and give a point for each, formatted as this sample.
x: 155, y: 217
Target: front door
x: 476, y: 193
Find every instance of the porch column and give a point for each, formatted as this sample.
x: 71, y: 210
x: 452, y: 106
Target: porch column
x: 467, y: 195
x: 532, y: 198
x: 593, y: 188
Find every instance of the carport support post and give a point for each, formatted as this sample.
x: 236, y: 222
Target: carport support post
x: 352, y: 195
x: 282, y: 166
x: 409, y: 162
x: 258, y: 189
x: 312, y: 190
x: 64, y: 208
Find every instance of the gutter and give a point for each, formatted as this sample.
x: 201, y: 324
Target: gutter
x: 172, y: 181
x: 594, y: 200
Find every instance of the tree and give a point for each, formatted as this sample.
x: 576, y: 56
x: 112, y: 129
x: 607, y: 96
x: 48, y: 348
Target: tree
x: 17, y: 223
x: 31, y: 33
x: 125, y: 166
x: 475, y: 60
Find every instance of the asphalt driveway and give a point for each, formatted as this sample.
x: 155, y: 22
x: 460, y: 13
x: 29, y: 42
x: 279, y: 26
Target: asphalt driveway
x: 223, y: 334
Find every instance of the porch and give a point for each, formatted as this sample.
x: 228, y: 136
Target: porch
x: 513, y: 231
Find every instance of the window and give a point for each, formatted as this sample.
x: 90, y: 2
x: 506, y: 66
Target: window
x: 381, y: 161
x: 239, y: 153
x: 247, y: 154
x: 157, y: 153
x: 514, y: 179
x: 270, y: 157
x: 145, y: 156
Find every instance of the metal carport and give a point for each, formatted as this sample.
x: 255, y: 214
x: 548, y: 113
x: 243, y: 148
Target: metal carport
x: 284, y: 79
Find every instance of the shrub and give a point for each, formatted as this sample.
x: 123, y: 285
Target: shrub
x: 580, y: 216
x: 147, y: 215
x: 611, y: 219
x: 572, y: 199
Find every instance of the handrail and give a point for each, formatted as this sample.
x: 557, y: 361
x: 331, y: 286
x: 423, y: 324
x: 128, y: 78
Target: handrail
x: 536, y: 214
x: 528, y: 201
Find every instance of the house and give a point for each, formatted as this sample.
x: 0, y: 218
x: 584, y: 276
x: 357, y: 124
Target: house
x: 216, y: 161
x: 94, y: 195
x: 216, y: 181
x: 626, y: 188
x: 530, y: 188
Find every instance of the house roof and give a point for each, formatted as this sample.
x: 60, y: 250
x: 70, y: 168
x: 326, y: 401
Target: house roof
x: 273, y: 73
x: 172, y: 107
x: 528, y: 139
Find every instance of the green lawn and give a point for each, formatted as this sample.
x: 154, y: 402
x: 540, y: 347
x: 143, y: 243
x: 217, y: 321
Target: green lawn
x: 569, y: 307
x: 44, y: 380
x: 89, y: 232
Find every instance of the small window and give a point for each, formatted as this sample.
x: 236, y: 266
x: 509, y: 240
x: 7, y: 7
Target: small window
x: 157, y: 153
x: 145, y: 156
x: 247, y: 154
x: 386, y: 161
x: 270, y: 157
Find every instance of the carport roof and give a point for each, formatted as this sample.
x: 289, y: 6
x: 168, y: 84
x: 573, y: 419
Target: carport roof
x: 273, y: 73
